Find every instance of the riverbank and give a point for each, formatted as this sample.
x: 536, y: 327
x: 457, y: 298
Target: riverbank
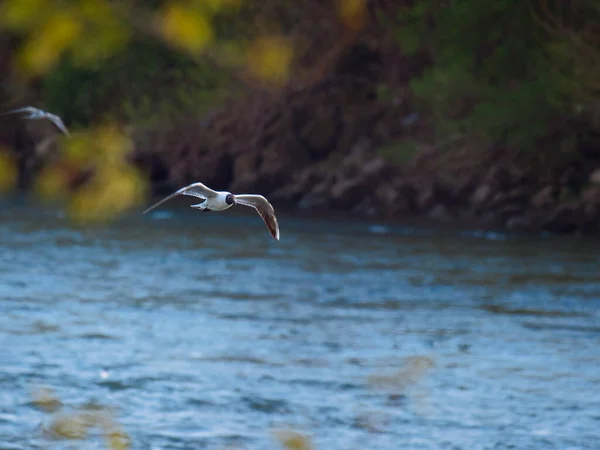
x: 350, y: 135
x: 346, y: 172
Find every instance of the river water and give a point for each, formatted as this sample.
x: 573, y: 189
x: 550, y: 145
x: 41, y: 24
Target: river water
x: 200, y: 331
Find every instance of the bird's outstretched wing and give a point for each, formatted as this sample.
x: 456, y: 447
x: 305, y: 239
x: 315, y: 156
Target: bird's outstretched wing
x: 35, y: 113
x: 263, y: 208
x: 197, y: 190
x: 58, y: 122
x: 24, y: 109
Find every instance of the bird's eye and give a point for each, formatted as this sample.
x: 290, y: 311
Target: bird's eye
x: 229, y: 199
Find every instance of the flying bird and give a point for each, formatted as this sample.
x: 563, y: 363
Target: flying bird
x: 29, y: 112
x: 222, y: 200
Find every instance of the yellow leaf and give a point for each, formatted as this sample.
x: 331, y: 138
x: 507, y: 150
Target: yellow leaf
x: 45, y: 400
x: 185, y: 27
x: 77, y: 151
x: 46, y: 46
x: 353, y: 13
x: 8, y: 171
x: 104, y: 36
x: 24, y: 14
x: 112, y: 191
x: 292, y: 440
x: 111, y: 143
x: 72, y: 426
x: 52, y: 183
x: 269, y: 59
x: 117, y: 440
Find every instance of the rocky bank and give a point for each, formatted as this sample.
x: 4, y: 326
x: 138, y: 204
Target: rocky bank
x: 319, y: 149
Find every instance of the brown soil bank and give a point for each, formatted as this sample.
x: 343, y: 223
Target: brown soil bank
x: 494, y: 191
x: 317, y: 147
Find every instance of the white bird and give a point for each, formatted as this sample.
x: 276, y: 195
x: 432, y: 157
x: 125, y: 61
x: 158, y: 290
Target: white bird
x: 34, y: 113
x: 222, y: 200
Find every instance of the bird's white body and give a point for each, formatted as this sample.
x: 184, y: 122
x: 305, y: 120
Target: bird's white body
x: 222, y: 200
x: 218, y: 203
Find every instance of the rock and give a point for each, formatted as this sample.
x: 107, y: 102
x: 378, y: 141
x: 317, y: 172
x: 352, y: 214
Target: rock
x: 439, y: 212
x: 464, y: 189
x: 290, y: 193
x: 591, y: 196
x: 437, y: 192
x: 356, y: 159
x: 499, y: 177
x: 375, y: 171
x: 481, y: 195
x: 318, y: 197
x: 544, y: 199
x: 497, y: 201
x: 566, y: 218
x: 246, y: 161
x: 407, y: 197
x: 592, y: 218
x: 518, y: 176
x: 396, y: 199
x: 447, y: 191
x: 346, y: 193
x: 427, y: 199
x: 509, y: 210
x: 366, y: 208
x: 520, y: 223
x: 517, y: 196
x: 595, y: 177
x: 572, y: 178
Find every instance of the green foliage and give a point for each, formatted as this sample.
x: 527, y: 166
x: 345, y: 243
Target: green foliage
x: 146, y: 81
x: 495, y: 72
x: 98, y: 59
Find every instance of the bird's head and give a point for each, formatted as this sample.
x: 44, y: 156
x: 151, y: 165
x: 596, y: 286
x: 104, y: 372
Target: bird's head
x: 230, y: 199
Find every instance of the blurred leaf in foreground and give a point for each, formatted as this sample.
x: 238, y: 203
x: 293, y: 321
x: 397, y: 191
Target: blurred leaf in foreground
x: 45, y: 400
x: 24, y: 14
x: 52, y: 183
x: 405, y: 383
x: 415, y: 368
x: 8, y: 171
x: 269, y: 59
x: 292, y: 440
x: 77, y: 423
x: 117, y: 440
x: 109, y: 142
x: 93, y: 176
x: 185, y: 27
x: 353, y: 13
x: 46, y: 45
x: 69, y: 426
x: 111, y: 191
